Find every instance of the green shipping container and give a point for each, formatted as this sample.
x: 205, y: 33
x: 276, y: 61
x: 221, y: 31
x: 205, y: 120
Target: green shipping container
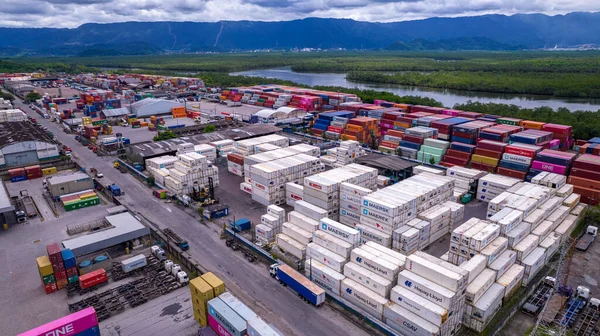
x: 512, y: 122
x: 73, y: 279
x: 82, y: 204
x: 433, y: 150
x: 48, y: 279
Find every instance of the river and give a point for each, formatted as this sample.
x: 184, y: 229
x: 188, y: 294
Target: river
x: 448, y: 97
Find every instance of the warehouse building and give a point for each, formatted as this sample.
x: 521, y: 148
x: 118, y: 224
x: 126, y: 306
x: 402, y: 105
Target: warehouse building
x: 68, y: 184
x: 7, y: 210
x: 22, y: 144
x: 154, y: 107
x: 124, y: 228
x: 270, y: 116
x: 114, y: 114
x: 393, y: 167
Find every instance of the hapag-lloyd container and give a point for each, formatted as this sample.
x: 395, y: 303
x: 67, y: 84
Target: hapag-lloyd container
x: 407, y: 322
x: 323, y: 276
x: 363, y: 297
x: 418, y: 305
x: 370, y: 280
x: 328, y: 258
x: 437, y: 274
x: 340, y: 231
x: 549, y: 167
x: 374, y: 263
x: 382, y: 255
x: 428, y: 289
x: 69, y: 325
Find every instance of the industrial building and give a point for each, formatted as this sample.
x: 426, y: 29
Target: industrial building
x: 143, y: 151
x: 22, y: 143
x: 7, y: 210
x: 268, y: 115
x: 68, y: 184
x: 154, y: 107
x: 114, y: 114
x: 124, y: 228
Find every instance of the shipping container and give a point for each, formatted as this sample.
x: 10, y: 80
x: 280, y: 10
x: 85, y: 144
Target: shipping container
x: 370, y: 280
x: 487, y: 305
x: 428, y: 289
x: 93, y: 278
x: 258, y: 327
x: 418, y: 305
x: 323, y: 276
x: 480, y: 285
x: 407, y: 322
x: 133, y: 263
x: 503, y: 263
x: 227, y: 319
x: 325, y: 256
x: 363, y: 297
x: 217, y: 284
x: 440, y: 275
x: 474, y: 266
x: 238, y: 306
x: 72, y: 324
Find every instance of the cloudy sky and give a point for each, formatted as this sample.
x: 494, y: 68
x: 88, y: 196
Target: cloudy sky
x: 72, y: 13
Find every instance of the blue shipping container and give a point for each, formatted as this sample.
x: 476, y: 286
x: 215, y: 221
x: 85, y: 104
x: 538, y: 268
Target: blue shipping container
x: 412, y: 145
x: 463, y: 140
x: 68, y: 258
x: 313, y: 298
x: 242, y: 225
x: 18, y: 178
x: 514, y: 166
x: 553, y: 159
x: 94, y: 331
x: 462, y: 147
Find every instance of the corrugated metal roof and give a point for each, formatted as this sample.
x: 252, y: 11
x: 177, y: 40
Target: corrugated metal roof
x: 152, y: 106
x: 5, y: 204
x: 381, y: 161
x: 116, y: 112
x: 125, y: 228
x: 53, y: 180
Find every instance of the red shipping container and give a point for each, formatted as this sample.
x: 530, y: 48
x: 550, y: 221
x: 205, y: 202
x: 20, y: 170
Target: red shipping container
x: 463, y: 135
x: 395, y: 133
x: 583, y: 182
x: 335, y: 129
x: 483, y: 166
x: 587, y: 162
x: 488, y: 153
x: 93, y: 278
x: 413, y: 139
x: 512, y: 173
x: 517, y: 150
x: 458, y: 154
x: 235, y: 158
x: 50, y: 288
x: 456, y: 161
x: 588, y: 196
x: 587, y: 174
x: 389, y: 144
x: 17, y: 172
x: 71, y: 272
x: 492, y: 145
x: 53, y: 249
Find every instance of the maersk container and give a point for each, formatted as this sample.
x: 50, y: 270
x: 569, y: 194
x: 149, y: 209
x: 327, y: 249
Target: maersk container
x: 503, y: 263
x: 370, y: 234
x: 233, y: 323
x: 332, y: 243
x: 340, y: 231
x: 258, y: 327
x: 516, y: 235
x: 375, y: 263
x: 238, y: 306
x: 323, y: 276
x: 323, y: 255
x: 428, y: 289
x: 526, y: 246
x: 533, y: 263
x: 384, y: 226
x: 487, y: 304
x: 418, y: 305
x: 370, y: 280
x: 437, y: 274
x: 407, y: 322
x: 301, y: 285
x: 474, y: 266
x: 480, y: 285
x: 363, y: 298
x: 387, y: 209
x: 133, y: 263
x: 484, y: 237
x: 511, y: 279
x: 497, y: 247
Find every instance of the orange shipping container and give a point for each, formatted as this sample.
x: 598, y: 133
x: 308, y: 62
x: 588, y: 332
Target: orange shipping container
x: 528, y: 124
x: 583, y: 182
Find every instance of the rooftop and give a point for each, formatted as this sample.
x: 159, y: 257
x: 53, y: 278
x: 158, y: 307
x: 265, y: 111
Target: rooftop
x: 19, y: 131
x: 67, y: 178
x: 116, y: 112
x: 381, y: 161
x: 5, y: 204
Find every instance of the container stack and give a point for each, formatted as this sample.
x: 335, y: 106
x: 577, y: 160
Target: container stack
x: 414, y: 138
x: 563, y: 133
x: 428, y: 298
x: 269, y: 179
x: 70, y: 266
x: 500, y: 133
x: 223, y: 147
x: 191, y: 171
x: 58, y: 266
x: 47, y: 274
x: 241, y: 164
x: 323, y: 189
x: 553, y: 161
x: 551, y: 180
x: 432, y: 148
x: 299, y: 228
x: 323, y: 123
x: 207, y: 150
x: 516, y: 160
x: 203, y: 289
x: 362, y: 129
x: 585, y: 178
x: 248, y: 146
x: 492, y: 185
x: 459, y: 154
x: 350, y: 203
x: 270, y: 225
x: 445, y: 126
x: 465, y: 180
x: 347, y: 152
x: 487, y: 155
x: 293, y: 192
x: 468, y: 133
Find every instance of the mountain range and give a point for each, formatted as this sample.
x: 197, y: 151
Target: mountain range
x: 494, y: 32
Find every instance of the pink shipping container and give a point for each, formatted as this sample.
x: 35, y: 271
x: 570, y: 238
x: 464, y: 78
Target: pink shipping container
x: 549, y: 167
x: 217, y: 327
x: 69, y: 325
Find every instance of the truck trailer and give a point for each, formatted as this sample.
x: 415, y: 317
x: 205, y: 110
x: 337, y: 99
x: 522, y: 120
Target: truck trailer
x: 306, y: 289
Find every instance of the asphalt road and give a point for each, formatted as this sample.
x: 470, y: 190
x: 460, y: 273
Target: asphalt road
x: 250, y: 282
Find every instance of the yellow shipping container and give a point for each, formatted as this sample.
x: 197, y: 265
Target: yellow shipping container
x: 201, y: 319
x: 214, y: 282
x: 484, y: 159
x: 49, y: 171
x: 201, y: 289
x: 44, y: 265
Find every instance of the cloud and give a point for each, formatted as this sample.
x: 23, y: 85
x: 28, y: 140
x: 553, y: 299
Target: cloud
x: 72, y: 13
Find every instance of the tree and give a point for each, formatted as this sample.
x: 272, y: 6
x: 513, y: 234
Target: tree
x: 32, y: 96
x: 399, y: 151
x: 6, y: 96
x: 210, y: 128
x: 432, y: 160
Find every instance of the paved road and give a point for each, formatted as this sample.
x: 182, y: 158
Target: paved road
x: 250, y: 282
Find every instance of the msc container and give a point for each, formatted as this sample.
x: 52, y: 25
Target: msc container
x: 497, y: 247
x: 363, y: 297
x: 340, y: 231
x: 72, y: 324
x: 258, y: 327
x: 370, y: 280
x: 418, y: 305
x: 133, y: 263
x: 428, y: 289
x: 503, y: 263
x: 407, y: 322
x: 474, y: 266
x: 296, y: 281
x: 226, y: 317
x: 481, y: 239
x: 375, y: 263
x: 323, y: 276
x: 511, y: 279
x: 440, y: 275
x: 533, y: 263
x: 93, y: 278
x: 480, y: 285
x: 238, y: 306
x: 489, y: 302
x: 323, y: 255
x: 332, y: 243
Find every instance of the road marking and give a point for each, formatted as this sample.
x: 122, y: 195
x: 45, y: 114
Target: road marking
x: 169, y: 210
